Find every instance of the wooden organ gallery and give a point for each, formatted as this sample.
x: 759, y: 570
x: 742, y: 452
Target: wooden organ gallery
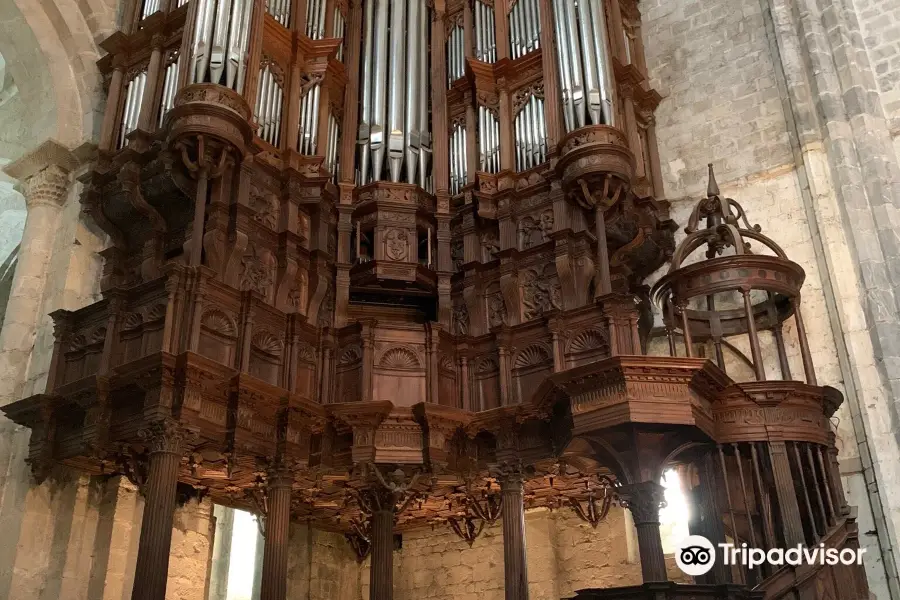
x: 379, y: 264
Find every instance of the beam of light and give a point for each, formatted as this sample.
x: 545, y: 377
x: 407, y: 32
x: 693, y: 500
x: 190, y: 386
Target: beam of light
x: 243, y: 556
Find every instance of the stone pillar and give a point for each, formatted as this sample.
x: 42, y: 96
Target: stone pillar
x: 381, y: 571
x: 166, y: 441
x: 515, y: 571
x: 44, y: 175
x: 278, y: 523
x: 643, y: 500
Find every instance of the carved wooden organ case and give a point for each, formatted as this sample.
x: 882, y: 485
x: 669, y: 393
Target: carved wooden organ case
x: 406, y: 234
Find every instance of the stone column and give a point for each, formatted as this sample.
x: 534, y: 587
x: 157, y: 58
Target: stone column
x: 515, y: 571
x: 643, y: 500
x: 166, y: 441
x: 278, y: 522
x: 381, y: 571
x: 44, y: 175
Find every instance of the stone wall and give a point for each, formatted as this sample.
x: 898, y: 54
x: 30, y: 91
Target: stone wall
x: 564, y: 555
x: 778, y: 97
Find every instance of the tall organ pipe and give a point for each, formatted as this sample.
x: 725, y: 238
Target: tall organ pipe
x: 219, y: 48
x: 585, y: 72
x: 394, y: 124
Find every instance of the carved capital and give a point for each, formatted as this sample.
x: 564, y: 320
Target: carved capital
x: 167, y: 436
x: 643, y: 500
x: 47, y: 187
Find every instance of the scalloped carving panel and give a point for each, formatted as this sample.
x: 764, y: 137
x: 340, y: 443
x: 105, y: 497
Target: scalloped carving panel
x: 587, y: 346
x: 399, y: 358
x: 530, y: 367
x: 218, y: 336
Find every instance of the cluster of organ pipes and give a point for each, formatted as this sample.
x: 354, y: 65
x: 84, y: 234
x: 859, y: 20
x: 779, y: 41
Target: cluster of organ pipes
x: 269, y: 103
x: 458, y: 157
x: 151, y: 6
x: 485, y: 35
x: 170, y: 86
x: 338, y: 31
x: 394, y: 131
x: 488, y: 140
x: 332, y: 152
x: 524, y: 28
x: 309, y: 120
x: 531, y: 134
x: 315, y: 19
x: 131, y: 111
x: 219, y: 49
x: 280, y: 11
x: 584, y: 69
x: 456, y: 54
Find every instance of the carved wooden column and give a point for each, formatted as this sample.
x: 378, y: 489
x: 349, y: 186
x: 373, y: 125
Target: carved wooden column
x: 166, y: 443
x: 350, y: 124
x: 552, y: 99
x: 113, y: 98
x: 787, y: 497
x: 643, y: 500
x: 381, y: 572
x: 707, y: 518
x: 515, y: 571
x: 278, y: 521
x: 440, y: 138
x: 150, y: 103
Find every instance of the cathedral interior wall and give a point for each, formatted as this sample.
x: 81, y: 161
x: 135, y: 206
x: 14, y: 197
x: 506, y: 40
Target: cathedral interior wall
x: 76, y: 537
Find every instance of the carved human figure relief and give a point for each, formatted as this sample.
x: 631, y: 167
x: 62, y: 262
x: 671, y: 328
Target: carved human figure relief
x: 396, y: 244
x: 259, y: 271
x: 539, y: 294
x: 491, y: 245
x: 460, y: 319
x: 496, y: 310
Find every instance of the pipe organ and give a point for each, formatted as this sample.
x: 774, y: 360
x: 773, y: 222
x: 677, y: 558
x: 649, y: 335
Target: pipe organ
x: 485, y: 34
x: 585, y: 71
x: 394, y: 127
x: 524, y: 27
x: 327, y: 265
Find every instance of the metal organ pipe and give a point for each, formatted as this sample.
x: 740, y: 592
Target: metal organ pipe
x: 394, y: 127
x: 458, y: 171
x: 280, y: 11
x: 485, y: 40
x: 150, y: 7
x: 170, y: 83
x: 309, y: 120
x: 524, y: 27
x: 456, y: 54
x: 219, y: 49
x: 315, y: 19
x: 332, y: 150
x: 338, y: 31
x: 531, y: 134
x: 269, y: 106
x: 134, y: 95
x: 581, y: 26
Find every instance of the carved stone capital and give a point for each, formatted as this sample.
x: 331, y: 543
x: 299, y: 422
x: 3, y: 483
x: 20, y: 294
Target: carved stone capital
x: 643, y: 500
x: 47, y: 187
x: 167, y: 436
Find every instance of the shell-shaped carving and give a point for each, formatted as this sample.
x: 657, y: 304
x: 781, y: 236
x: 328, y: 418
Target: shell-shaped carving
x: 98, y: 336
x: 132, y: 321
x: 268, y: 342
x: 219, y: 322
x: 157, y: 312
x: 399, y: 358
x: 487, y: 365
x: 533, y: 355
x: 78, y: 342
x: 306, y: 354
x: 587, y: 341
x: 446, y: 363
x: 350, y: 356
